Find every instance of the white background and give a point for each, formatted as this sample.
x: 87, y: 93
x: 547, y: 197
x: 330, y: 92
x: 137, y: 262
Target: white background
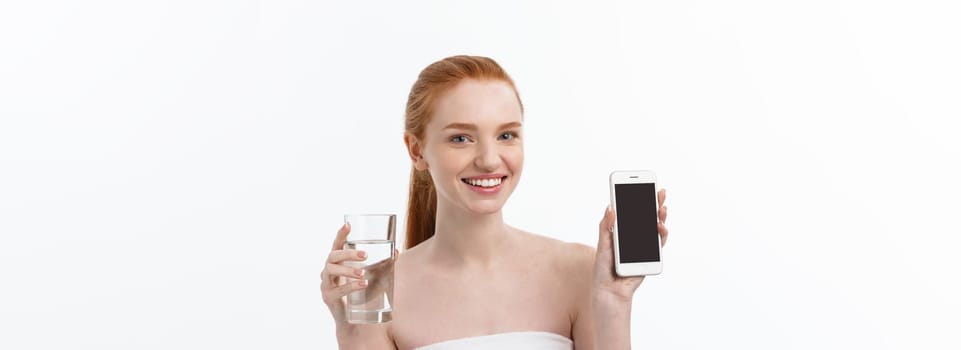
x: 172, y: 173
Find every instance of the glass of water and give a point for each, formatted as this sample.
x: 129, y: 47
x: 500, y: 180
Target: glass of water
x: 373, y: 234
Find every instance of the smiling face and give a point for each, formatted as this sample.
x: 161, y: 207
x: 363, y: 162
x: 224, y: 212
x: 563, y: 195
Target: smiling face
x: 472, y: 145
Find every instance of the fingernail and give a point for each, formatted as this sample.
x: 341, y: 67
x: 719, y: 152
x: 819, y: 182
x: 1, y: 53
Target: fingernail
x: 362, y: 283
x: 362, y: 254
x: 358, y: 272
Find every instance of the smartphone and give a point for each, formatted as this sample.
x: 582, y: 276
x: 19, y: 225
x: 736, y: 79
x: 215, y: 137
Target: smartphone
x: 637, y: 245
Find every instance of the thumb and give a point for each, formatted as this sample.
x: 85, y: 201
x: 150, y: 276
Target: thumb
x: 604, y: 240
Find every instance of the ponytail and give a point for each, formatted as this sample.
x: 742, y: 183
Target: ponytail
x: 421, y: 208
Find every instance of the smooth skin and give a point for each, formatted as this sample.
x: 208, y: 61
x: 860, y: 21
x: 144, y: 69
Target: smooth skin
x: 478, y: 275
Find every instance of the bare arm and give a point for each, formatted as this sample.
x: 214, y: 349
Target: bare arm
x: 582, y: 328
x: 364, y: 336
x: 600, y: 320
x: 612, y: 326
x: 604, y: 316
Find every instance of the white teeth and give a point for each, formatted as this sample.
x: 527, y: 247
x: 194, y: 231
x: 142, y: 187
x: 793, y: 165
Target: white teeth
x: 484, y: 182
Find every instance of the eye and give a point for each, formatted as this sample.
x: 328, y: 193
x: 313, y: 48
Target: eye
x: 508, y: 135
x: 458, y: 139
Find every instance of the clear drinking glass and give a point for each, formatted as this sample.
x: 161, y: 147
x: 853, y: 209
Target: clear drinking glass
x: 374, y: 234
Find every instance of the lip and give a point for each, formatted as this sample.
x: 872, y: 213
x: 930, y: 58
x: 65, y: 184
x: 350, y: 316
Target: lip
x: 486, y: 190
x: 486, y: 176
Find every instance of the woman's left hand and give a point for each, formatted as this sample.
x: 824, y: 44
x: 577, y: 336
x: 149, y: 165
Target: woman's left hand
x: 607, y: 284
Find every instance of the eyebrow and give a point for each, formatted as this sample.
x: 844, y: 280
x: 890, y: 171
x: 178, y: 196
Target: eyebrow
x: 468, y: 126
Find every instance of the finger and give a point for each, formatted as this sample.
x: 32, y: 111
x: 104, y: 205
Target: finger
x: 661, y: 195
x: 341, y: 237
x: 604, y: 255
x: 339, y: 292
x: 662, y: 231
x: 605, y: 230
x: 335, y: 270
x: 340, y: 255
x: 607, y: 221
x: 662, y: 214
x: 611, y: 219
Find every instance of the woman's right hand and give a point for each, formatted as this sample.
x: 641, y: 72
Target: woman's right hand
x: 332, y: 279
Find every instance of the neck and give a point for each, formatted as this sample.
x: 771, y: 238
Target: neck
x: 466, y: 239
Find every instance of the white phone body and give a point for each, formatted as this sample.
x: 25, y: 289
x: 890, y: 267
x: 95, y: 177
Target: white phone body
x: 637, y: 244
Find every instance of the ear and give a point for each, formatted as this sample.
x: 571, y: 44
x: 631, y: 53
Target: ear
x: 415, y: 151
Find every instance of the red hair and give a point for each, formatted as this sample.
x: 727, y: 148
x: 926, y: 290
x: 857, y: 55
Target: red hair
x: 432, y: 82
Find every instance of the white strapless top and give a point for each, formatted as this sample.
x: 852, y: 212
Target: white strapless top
x: 510, y: 340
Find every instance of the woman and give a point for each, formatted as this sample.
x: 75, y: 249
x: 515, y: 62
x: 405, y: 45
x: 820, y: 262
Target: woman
x: 467, y: 279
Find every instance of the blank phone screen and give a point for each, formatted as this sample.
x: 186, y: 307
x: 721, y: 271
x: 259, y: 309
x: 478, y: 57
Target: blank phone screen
x: 636, y: 223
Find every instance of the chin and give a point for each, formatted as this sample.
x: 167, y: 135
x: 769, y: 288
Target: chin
x: 486, y: 208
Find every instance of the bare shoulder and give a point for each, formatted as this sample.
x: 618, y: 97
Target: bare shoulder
x: 417, y: 253
x: 572, y: 259
x: 572, y: 270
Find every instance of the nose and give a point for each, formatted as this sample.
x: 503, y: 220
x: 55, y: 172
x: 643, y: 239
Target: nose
x: 488, y: 158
